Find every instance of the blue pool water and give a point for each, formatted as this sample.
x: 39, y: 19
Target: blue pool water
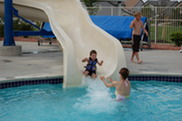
x: 149, y: 101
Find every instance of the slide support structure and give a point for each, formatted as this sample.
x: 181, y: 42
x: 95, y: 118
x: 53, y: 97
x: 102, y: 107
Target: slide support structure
x: 8, y: 28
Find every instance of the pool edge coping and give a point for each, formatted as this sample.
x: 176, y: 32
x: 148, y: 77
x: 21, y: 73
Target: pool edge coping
x: 155, y: 74
x: 15, y: 79
x: 30, y: 78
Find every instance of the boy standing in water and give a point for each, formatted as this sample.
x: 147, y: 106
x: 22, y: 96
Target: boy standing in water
x: 137, y: 26
x: 122, y: 87
x: 91, y: 64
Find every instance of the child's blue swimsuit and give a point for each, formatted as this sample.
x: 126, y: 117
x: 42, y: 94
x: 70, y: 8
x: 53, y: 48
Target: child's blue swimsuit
x: 91, y: 66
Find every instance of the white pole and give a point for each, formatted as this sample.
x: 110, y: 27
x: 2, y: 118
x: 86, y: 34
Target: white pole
x: 112, y: 11
x: 119, y: 11
x: 155, y: 25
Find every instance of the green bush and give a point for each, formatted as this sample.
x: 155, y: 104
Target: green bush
x: 25, y: 27
x: 19, y: 25
x: 1, y: 30
x: 176, y: 37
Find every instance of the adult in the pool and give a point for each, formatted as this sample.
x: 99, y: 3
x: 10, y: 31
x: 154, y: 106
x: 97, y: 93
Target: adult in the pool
x: 122, y: 87
x: 91, y: 64
x: 137, y: 26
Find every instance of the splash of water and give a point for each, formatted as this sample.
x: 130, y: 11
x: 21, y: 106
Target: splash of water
x: 98, y: 98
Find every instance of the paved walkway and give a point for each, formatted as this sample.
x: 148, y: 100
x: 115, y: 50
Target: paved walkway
x: 36, y: 61
x: 47, y: 60
x: 156, y: 62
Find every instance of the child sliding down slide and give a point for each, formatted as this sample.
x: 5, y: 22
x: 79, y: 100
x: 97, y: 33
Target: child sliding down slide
x: 91, y: 64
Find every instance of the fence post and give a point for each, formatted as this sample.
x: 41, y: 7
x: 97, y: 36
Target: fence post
x: 155, y: 25
x: 112, y: 11
x: 119, y: 10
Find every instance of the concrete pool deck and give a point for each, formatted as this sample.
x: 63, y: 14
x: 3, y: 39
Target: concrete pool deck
x: 47, y: 61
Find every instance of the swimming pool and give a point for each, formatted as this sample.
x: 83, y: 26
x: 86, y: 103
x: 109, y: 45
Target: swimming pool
x: 149, y: 101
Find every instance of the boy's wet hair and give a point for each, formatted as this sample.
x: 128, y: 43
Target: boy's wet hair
x: 93, y: 52
x: 136, y: 14
x: 124, y: 73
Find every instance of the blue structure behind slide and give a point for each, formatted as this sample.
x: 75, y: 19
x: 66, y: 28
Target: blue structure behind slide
x: 8, y: 27
x: 9, y: 33
x: 117, y: 26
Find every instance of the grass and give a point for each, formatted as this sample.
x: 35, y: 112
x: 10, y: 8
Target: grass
x: 164, y: 32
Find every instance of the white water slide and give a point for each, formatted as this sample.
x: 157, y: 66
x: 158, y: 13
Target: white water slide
x: 77, y: 34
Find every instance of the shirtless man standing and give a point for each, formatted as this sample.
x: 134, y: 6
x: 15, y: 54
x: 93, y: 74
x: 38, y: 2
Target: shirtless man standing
x: 137, y: 26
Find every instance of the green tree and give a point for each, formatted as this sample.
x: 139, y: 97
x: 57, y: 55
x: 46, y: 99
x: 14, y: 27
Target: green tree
x: 90, y: 3
x: 92, y: 6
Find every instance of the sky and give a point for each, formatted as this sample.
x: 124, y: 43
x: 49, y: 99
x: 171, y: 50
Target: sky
x: 171, y: 0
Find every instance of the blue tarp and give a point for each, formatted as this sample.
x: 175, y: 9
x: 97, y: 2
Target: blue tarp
x: 47, y: 27
x: 117, y: 26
